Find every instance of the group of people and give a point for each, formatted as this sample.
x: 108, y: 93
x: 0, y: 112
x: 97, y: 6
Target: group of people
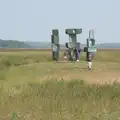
x: 89, y: 56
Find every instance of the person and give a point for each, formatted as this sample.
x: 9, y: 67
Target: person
x: 78, y: 55
x: 65, y: 55
x: 89, y: 60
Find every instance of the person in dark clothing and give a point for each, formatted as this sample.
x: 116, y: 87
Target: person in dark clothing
x: 78, y: 52
x: 89, y: 60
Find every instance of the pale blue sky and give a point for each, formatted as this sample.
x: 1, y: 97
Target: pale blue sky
x: 33, y: 20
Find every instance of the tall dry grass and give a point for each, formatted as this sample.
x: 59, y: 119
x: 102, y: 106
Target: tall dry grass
x: 23, y: 93
x: 56, y: 100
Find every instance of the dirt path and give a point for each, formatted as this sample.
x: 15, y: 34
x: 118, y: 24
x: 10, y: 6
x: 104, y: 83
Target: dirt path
x: 90, y: 77
x: 101, y: 73
x: 100, y: 77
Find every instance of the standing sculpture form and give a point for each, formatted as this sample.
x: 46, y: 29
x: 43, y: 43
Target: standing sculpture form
x: 90, y: 49
x: 55, y: 44
x: 73, y: 46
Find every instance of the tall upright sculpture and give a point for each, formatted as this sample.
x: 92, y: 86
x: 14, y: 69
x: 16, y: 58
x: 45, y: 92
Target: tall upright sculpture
x: 55, y: 44
x: 91, y: 42
x: 73, y: 46
x: 90, y: 49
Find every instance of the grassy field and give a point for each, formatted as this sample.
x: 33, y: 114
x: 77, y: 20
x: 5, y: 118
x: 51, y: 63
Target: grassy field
x: 36, y: 88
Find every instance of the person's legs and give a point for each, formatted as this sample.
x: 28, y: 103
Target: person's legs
x: 89, y: 64
x: 78, y: 56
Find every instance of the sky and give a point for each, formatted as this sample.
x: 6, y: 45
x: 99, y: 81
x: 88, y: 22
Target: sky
x: 33, y: 20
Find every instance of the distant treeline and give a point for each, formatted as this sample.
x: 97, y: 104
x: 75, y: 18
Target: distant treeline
x: 13, y: 44
x: 47, y: 45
